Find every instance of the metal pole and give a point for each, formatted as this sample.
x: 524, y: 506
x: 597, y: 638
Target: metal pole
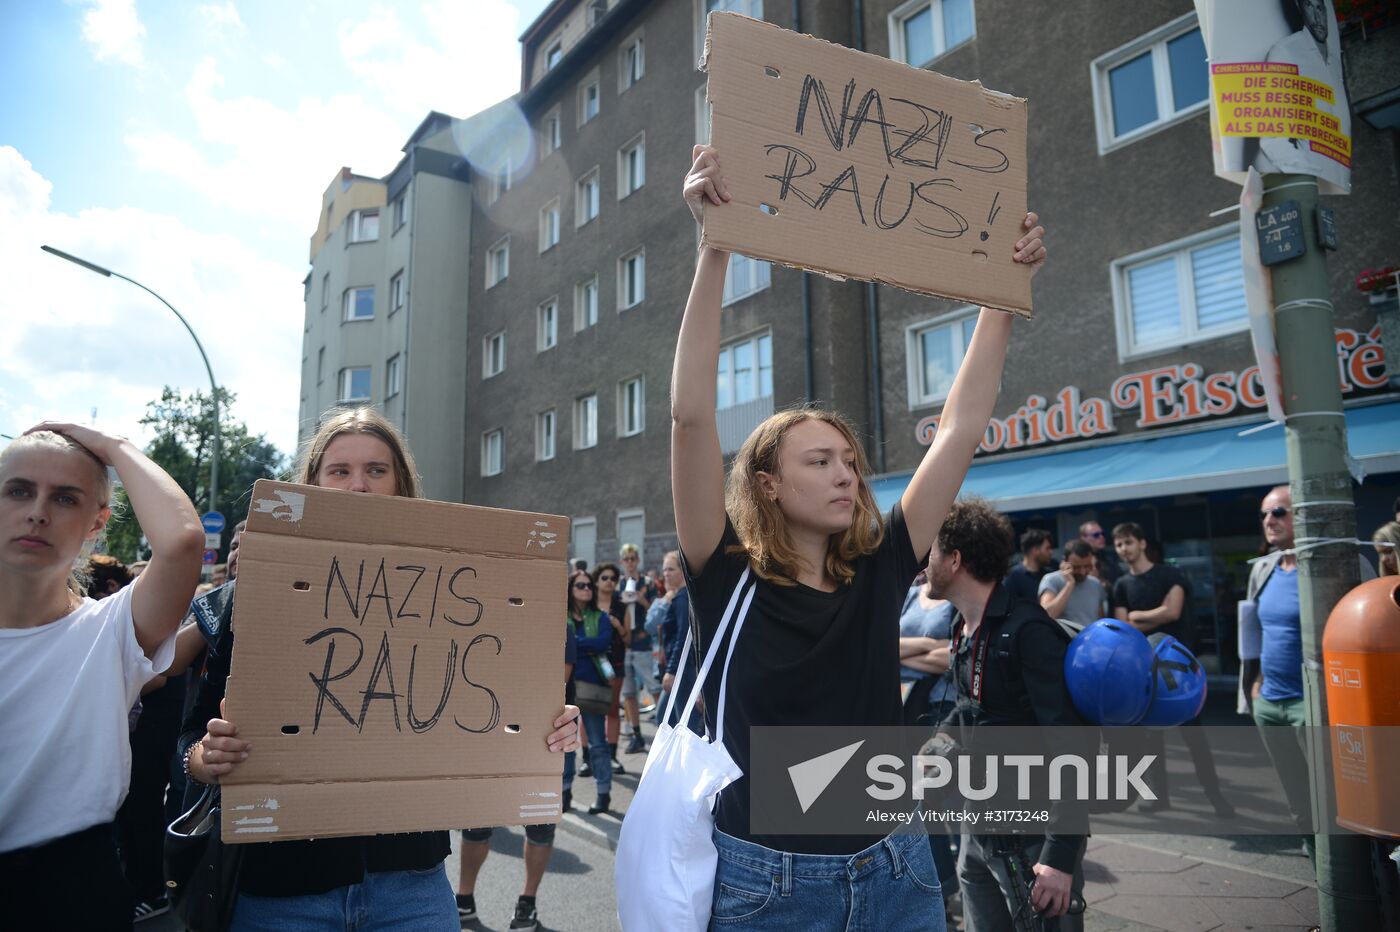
x: 1323, y: 507
x: 213, y: 385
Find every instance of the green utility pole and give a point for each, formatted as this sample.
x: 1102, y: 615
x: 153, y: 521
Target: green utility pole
x: 1323, y: 507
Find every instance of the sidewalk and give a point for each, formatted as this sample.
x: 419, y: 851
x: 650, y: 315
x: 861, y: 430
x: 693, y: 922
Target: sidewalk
x: 1133, y: 883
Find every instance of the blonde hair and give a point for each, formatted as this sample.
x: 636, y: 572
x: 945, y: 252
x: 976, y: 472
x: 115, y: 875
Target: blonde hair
x: 1388, y: 533
x: 363, y: 420
x: 78, y: 576
x: 759, y: 521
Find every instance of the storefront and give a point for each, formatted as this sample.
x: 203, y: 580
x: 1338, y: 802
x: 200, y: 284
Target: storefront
x: 1192, y: 470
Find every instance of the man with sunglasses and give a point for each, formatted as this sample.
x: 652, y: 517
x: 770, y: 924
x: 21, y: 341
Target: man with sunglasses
x: 1277, y: 687
x: 1091, y: 532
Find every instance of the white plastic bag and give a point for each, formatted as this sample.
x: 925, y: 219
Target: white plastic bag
x: 664, y: 871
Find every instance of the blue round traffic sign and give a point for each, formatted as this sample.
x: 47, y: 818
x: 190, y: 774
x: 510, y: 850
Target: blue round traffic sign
x: 213, y: 522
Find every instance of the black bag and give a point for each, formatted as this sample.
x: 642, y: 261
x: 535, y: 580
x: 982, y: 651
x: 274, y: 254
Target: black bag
x: 201, y: 872
x: 593, y: 698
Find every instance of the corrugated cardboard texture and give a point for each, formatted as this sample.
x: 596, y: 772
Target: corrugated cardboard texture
x: 802, y: 125
x: 397, y: 665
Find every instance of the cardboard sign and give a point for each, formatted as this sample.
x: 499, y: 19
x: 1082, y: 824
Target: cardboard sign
x: 860, y: 167
x: 397, y: 666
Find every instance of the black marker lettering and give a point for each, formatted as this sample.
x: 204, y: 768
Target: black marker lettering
x: 835, y: 133
x: 383, y: 665
x: 862, y: 117
x: 421, y: 725
x: 464, y: 599
x: 379, y: 589
x: 957, y: 217
x: 337, y: 576
x: 495, y: 716
x: 880, y: 198
x: 829, y: 189
x: 991, y: 169
x: 322, y: 691
x: 941, y: 122
x: 408, y: 595
x: 432, y: 613
x: 789, y: 173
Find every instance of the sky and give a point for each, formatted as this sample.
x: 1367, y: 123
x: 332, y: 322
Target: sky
x: 187, y: 145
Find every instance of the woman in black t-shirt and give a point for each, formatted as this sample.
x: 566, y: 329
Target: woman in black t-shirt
x: 365, y: 882
x: 820, y: 645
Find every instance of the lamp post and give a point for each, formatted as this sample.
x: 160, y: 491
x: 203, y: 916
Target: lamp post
x: 213, y: 385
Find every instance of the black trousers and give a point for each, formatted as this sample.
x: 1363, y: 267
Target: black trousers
x: 141, y: 820
x: 73, y: 882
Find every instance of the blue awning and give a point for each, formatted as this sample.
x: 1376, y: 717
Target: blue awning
x: 1200, y: 461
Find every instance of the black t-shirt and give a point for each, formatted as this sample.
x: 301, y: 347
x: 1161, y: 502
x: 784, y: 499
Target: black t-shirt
x: 1149, y: 590
x: 1024, y: 584
x: 804, y: 657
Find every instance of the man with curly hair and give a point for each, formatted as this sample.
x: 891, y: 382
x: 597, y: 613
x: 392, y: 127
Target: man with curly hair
x: 1008, y: 663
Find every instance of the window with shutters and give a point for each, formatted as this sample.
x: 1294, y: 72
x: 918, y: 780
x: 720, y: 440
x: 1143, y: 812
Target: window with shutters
x: 1182, y: 292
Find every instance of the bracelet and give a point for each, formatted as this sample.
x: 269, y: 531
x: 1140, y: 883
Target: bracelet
x: 185, y: 763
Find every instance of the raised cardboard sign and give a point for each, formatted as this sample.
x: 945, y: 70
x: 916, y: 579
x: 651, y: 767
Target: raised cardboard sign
x: 397, y: 665
x: 860, y: 167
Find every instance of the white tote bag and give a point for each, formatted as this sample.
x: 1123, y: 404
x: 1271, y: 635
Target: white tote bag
x: 664, y: 871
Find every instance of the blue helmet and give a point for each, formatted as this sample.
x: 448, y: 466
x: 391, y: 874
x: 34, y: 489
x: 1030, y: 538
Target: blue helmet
x: 1178, y: 683
x: 1108, y: 669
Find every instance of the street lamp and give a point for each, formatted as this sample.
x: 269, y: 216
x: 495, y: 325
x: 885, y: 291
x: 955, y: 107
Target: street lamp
x: 213, y: 385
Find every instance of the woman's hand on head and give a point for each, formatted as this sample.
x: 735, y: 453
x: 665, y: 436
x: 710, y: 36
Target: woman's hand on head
x: 704, y: 182
x: 565, y: 734
x: 1030, y: 249
x: 97, y: 443
x: 219, y: 751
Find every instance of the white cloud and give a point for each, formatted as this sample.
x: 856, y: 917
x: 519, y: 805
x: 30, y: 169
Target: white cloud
x: 75, y: 341
x: 114, y: 31
x: 466, y: 59
x: 223, y: 19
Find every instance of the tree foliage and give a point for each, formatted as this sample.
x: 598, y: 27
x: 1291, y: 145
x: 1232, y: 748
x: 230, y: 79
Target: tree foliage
x: 183, y: 444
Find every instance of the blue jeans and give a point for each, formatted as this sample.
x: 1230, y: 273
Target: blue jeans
x: 599, y: 755
x: 393, y: 901
x: 892, y: 886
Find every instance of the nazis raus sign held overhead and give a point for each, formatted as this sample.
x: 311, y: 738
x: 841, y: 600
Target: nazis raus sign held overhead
x: 860, y: 167
x: 397, y: 665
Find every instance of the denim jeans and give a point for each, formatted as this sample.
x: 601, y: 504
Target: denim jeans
x: 891, y: 886
x: 393, y: 901
x: 599, y: 755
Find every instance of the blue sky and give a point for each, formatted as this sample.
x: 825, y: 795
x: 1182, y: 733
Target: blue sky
x: 187, y: 145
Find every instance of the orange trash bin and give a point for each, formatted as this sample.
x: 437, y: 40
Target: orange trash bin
x: 1361, y: 657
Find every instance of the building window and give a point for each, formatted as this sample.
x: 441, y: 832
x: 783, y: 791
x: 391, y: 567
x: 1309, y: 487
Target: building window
x: 588, y: 99
x: 364, y: 225
x: 586, y: 303
x: 631, y: 64
x: 745, y: 371
x: 631, y: 166
x: 1183, y: 292
x: 320, y: 365
x: 393, y: 377
x: 550, y: 134
x: 354, y: 384
x: 631, y: 279
x: 547, y: 325
x: 553, y: 55
x: 544, y: 436
x: 745, y: 277
x: 498, y: 183
x: 359, y: 303
x: 491, y: 449
x: 922, y: 30
x: 498, y: 262
x: 934, y: 350
x: 585, y: 422
x: 632, y: 527
x: 583, y: 538
x: 586, y: 198
x: 1152, y: 82
x: 750, y: 8
x: 631, y: 406
x: 400, y: 210
x: 325, y: 290
x: 396, y: 293
x: 549, y: 225
x: 493, y: 354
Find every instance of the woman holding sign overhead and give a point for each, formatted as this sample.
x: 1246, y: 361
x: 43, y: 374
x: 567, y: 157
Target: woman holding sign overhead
x: 819, y: 644
x: 367, y: 882
x: 71, y: 667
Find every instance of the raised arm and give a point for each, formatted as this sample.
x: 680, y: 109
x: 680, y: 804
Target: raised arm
x: 965, y: 414
x: 160, y: 596
x: 697, y: 465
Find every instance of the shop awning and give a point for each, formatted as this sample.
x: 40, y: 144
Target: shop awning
x: 1201, y: 461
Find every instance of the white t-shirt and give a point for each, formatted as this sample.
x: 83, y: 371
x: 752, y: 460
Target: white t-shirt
x: 65, y: 688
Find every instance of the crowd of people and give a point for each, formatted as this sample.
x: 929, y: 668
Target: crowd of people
x: 111, y: 713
